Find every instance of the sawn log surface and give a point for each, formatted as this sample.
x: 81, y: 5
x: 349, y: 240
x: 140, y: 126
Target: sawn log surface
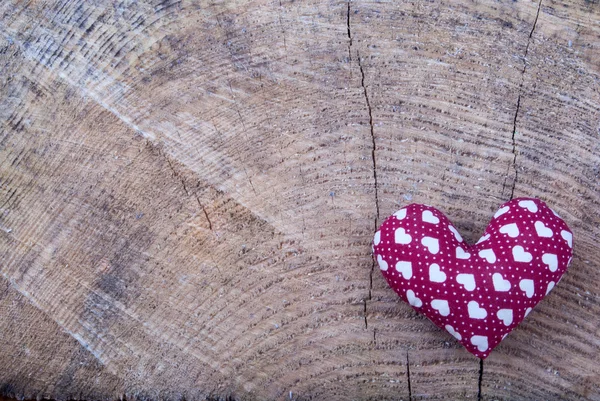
x: 189, y: 189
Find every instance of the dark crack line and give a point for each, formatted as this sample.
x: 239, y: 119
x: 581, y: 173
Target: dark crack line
x: 349, y: 38
x: 374, y: 147
x: 480, y: 379
x: 410, y: 397
x: 514, y: 132
x: 373, y: 150
x: 205, y: 213
x: 177, y: 175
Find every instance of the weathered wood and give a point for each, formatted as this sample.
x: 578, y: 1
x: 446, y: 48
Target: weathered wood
x: 188, y: 192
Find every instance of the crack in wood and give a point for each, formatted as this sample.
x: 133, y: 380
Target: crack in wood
x: 373, y: 150
x: 480, y: 379
x: 410, y: 397
x: 349, y: 38
x: 205, y: 213
x: 514, y: 144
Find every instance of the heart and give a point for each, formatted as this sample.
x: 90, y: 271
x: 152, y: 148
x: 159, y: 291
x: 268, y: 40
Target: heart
x: 477, y: 293
x: 542, y: 230
x: 401, y: 237
x: 412, y: 299
x: 435, y: 274
x: 512, y: 230
x: 432, y: 244
x: 405, y: 268
x: 428, y: 217
x: 551, y: 260
x: 467, y: 280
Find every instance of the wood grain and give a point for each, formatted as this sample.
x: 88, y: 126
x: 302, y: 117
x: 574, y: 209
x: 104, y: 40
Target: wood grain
x: 188, y: 192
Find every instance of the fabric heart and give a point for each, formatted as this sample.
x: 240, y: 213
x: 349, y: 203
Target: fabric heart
x: 478, y: 293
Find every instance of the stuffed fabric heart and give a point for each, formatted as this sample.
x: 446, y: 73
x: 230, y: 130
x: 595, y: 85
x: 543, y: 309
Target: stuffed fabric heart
x: 478, y: 293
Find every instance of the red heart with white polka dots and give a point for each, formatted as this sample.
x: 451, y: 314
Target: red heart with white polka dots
x: 478, y: 293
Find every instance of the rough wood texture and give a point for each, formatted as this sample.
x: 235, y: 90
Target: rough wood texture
x: 188, y: 191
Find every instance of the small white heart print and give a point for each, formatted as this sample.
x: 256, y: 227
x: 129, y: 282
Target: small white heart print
x: 484, y: 238
x: 519, y: 254
x: 551, y: 260
x: 461, y: 254
x: 383, y: 265
x: 488, y: 254
x: 441, y: 306
x: 542, y: 230
x: 377, y: 238
x: 529, y: 205
x: 512, y: 230
x: 500, y: 284
x: 432, y: 244
x: 567, y: 236
x: 413, y: 300
x: 506, y: 315
x: 550, y: 287
x: 527, y: 311
x: 435, y: 274
x: 401, y: 237
x: 456, y: 233
x: 526, y: 285
x: 481, y: 342
x: 405, y: 268
x: 501, y: 211
x: 451, y: 330
x: 428, y: 217
x: 467, y: 280
x: 475, y: 311
x: 400, y: 214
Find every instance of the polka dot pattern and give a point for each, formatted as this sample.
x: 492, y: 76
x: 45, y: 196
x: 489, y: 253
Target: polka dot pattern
x: 478, y: 293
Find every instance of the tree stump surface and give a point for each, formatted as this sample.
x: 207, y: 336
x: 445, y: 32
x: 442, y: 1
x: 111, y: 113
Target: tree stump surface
x: 189, y: 189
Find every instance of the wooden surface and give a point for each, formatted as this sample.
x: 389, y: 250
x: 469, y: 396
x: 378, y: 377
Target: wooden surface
x: 188, y: 192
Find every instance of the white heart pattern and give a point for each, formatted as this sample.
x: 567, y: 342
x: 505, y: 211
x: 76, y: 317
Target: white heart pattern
x: 467, y: 280
x: 405, y: 268
x: 551, y: 260
x: 550, y: 287
x: 461, y: 254
x: 501, y: 211
x: 428, y: 217
x: 482, y: 239
x: 488, y: 254
x: 519, y: 254
x: 456, y: 234
x: 401, y: 237
x: 451, y: 330
x: 529, y: 205
x: 441, y: 306
x: 432, y: 244
x: 400, y: 214
x: 475, y: 311
x: 542, y: 230
x: 500, y: 284
x: 435, y: 274
x: 512, y: 230
x: 413, y: 300
x: 377, y: 238
x: 526, y: 285
x: 567, y: 236
x: 481, y: 342
x: 383, y: 265
x: 506, y: 315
